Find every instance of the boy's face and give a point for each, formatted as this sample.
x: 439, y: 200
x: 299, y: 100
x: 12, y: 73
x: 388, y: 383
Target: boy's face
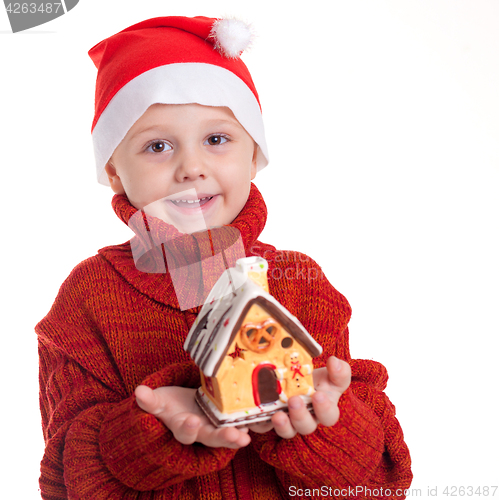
x: 176, y: 147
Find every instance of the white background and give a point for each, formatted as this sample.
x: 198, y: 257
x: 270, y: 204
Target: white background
x: 382, y: 120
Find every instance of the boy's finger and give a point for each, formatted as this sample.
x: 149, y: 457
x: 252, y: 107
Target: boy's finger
x: 237, y: 438
x: 339, y: 373
x: 301, y: 419
x: 187, y: 431
x: 226, y: 437
x: 325, y: 408
x: 282, y: 425
x: 146, y: 399
x: 261, y: 427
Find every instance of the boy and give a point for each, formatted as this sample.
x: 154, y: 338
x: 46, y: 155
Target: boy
x: 177, y: 112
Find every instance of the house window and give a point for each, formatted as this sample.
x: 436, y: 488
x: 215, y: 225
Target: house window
x: 260, y: 337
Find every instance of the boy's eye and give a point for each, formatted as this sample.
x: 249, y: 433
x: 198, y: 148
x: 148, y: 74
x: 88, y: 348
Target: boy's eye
x: 158, y: 147
x: 216, y: 140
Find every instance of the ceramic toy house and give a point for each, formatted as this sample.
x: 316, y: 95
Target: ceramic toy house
x: 252, y: 352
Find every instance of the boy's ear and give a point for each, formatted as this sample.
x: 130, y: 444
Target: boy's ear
x: 253, y: 162
x: 114, y: 178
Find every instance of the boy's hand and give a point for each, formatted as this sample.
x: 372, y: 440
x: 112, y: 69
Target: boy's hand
x: 178, y: 410
x: 330, y: 383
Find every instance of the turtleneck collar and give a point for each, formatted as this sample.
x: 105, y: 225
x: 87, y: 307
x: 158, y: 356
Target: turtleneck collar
x: 179, y: 269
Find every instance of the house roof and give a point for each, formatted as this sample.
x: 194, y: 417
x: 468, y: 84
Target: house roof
x: 223, y: 313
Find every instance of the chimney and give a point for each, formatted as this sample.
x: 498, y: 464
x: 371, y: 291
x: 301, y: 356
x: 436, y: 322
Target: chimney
x: 256, y: 269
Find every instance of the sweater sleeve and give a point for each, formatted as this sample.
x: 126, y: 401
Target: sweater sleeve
x: 365, y: 449
x: 98, y: 442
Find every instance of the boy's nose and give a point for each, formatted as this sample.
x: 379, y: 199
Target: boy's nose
x: 190, y: 167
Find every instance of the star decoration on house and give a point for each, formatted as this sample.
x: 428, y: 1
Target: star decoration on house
x: 238, y: 352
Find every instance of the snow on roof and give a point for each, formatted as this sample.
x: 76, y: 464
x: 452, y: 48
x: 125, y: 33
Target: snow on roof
x: 224, y: 311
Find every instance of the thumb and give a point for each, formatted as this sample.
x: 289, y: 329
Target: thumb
x: 339, y: 373
x: 147, y: 399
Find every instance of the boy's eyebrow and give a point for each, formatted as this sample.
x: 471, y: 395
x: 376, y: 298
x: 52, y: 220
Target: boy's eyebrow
x: 144, y: 130
x: 223, y: 121
x: 210, y: 123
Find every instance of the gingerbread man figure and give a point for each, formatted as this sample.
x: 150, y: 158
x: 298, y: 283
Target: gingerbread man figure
x: 296, y: 378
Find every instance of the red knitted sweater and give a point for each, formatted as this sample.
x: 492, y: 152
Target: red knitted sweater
x: 113, y: 327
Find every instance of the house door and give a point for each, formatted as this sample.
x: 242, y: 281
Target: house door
x: 266, y: 387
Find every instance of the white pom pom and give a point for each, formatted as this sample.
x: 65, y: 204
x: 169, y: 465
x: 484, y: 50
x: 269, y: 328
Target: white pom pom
x: 231, y: 36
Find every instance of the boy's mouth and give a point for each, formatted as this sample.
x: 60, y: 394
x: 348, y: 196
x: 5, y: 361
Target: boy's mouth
x: 194, y: 207
x: 192, y: 203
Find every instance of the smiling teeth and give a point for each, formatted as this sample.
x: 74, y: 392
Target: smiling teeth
x: 192, y: 201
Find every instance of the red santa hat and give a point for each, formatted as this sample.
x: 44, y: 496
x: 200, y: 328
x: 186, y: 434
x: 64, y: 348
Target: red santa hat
x: 172, y: 60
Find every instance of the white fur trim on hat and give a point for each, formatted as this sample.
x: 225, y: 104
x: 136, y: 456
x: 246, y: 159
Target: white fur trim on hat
x: 176, y: 84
